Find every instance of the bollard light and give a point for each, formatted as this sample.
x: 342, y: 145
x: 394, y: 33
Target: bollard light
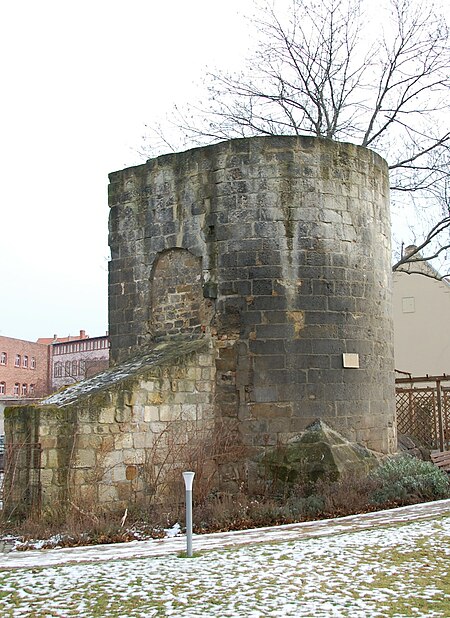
x: 188, y: 480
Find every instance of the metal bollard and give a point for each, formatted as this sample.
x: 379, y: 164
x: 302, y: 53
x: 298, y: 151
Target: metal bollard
x: 188, y: 480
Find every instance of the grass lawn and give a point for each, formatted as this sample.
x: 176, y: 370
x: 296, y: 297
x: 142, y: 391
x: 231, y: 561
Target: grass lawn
x: 398, y: 570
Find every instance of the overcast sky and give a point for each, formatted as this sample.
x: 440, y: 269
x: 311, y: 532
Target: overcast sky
x: 79, y: 82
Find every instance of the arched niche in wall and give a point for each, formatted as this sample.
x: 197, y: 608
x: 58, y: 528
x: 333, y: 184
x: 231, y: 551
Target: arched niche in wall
x: 177, y: 303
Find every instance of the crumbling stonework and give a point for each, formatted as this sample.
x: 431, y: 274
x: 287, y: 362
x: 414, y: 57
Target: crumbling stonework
x: 271, y: 257
x: 112, y: 439
x: 289, y: 239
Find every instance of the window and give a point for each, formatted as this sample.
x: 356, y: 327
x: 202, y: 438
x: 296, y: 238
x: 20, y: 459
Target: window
x: 24, y: 389
x: 31, y: 389
x: 25, y: 361
x: 82, y: 368
x: 3, y: 358
x: 67, y: 368
x: 2, y: 388
x: 33, y: 363
x: 57, y: 370
x: 408, y: 304
x: 17, y: 360
x: 16, y: 388
x: 74, y: 368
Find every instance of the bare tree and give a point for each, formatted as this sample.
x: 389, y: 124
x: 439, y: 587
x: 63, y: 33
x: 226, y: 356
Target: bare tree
x: 333, y: 70
x: 428, y: 256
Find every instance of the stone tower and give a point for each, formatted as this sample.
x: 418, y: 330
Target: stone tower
x: 276, y: 250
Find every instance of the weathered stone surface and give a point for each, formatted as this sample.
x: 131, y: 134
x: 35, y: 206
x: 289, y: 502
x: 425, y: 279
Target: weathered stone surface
x: 240, y: 275
x: 318, y: 452
x: 91, y: 433
x: 289, y: 240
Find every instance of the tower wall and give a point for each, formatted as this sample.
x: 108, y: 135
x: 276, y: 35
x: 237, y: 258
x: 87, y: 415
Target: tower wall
x: 278, y: 250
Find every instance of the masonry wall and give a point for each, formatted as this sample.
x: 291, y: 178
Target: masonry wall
x: 289, y: 243
x: 118, y: 439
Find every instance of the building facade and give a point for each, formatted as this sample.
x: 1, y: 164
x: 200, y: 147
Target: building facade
x: 31, y: 370
x: 78, y: 358
x: 421, y: 310
x: 24, y: 368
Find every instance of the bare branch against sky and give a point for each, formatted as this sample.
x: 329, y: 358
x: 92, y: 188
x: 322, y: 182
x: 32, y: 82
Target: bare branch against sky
x: 344, y: 70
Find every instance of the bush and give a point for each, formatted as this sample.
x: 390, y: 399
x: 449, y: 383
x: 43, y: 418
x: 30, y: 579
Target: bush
x: 405, y: 480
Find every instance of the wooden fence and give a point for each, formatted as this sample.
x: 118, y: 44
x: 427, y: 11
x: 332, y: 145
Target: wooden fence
x: 423, y: 409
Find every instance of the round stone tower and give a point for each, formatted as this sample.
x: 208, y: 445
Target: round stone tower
x: 278, y: 250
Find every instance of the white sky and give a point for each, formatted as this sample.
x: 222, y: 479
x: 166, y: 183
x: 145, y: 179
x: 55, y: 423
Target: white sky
x: 79, y: 82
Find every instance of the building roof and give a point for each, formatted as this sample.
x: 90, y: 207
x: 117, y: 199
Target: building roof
x: 56, y: 339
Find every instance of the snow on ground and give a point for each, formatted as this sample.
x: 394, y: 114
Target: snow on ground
x: 391, y: 570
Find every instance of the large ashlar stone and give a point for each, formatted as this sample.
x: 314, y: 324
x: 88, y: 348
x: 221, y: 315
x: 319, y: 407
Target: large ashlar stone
x: 318, y: 452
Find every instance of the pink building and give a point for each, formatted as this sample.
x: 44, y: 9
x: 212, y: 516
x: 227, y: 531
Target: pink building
x: 32, y: 370
x: 24, y: 369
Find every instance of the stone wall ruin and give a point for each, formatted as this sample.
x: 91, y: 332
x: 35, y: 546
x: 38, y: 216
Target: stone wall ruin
x: 274, y: 253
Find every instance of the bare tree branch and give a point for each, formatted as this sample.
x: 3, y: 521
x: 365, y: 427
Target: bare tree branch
x: 323, y: 69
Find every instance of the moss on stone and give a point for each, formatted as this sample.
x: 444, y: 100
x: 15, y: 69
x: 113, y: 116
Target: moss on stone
x: 318, y: 452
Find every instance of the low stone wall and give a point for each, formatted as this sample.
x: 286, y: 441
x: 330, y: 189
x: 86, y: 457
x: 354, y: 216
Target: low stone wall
x: 115, y: 440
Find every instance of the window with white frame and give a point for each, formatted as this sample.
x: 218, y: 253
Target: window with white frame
x: 17, y: 360
x: 3, y: 358
x: 2, y: 388
x: 16, y: 388
x: 25, y: 362
x: 33, y: 363
x: 24, y: 389
x: 32, y: 387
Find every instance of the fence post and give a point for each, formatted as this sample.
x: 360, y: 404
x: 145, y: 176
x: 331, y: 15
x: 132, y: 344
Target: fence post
x: 439, y: 411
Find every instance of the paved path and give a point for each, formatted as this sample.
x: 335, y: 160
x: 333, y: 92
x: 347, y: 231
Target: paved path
x: 141, y: 549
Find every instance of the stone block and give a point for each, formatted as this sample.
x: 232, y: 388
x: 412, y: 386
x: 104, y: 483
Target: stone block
x: 123, y: 415
x: 148, y: 385
x: 188, y: 412
x: 270, y: 410
x: 111, y: 459
x: 169, y: 412
x: 119, y: 474
x: 48, y: 442
x: 142, y: 440
x: 84, y: 458
x: 138, y: 413
x: 106, y: 415
x: 107, y: 493
x: 151, y: 414
x: 123, y: 441
x: 52, y: 458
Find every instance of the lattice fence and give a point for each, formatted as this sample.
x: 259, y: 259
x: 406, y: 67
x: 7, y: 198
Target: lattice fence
x: 416, y: 414
x: 446, y: 414
x: 424, y: 412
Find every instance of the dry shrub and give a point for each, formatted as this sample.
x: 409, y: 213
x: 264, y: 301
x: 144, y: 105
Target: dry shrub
x: 350, y: 494
x: 189, y: 446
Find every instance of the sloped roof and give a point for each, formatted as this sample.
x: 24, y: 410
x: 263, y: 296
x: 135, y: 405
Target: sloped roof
x: 163, y: 353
